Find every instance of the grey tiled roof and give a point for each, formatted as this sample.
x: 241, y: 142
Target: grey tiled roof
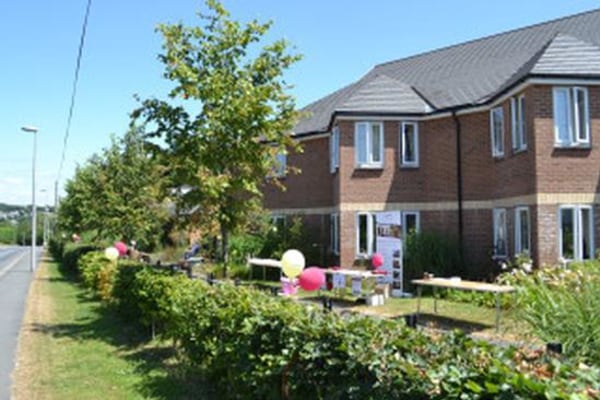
x: 467, y: 74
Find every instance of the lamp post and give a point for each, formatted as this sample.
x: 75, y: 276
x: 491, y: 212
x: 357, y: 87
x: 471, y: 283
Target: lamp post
x: 33, y: 130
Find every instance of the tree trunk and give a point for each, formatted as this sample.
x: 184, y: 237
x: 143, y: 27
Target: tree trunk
x: 225, y: 249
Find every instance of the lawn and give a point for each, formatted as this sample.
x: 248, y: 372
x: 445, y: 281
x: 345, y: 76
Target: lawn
x: 72, y: 348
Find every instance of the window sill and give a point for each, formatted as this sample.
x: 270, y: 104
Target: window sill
x: 369, y: 166
x: 498, y: 156
x: 409, y: 166
x: 572, y: 146
x: 519, y: 150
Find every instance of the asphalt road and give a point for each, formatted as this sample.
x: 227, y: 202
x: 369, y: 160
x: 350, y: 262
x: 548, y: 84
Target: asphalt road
x: 15, y: 278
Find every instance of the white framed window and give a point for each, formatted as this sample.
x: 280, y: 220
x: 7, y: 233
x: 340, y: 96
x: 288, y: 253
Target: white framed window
x: 500, y: 237
x: 497, y: 131
x: 334, y: 149
x: 334, y: 234
x: 278, y: 221
x: 571, y: 116
x: 409, y: 144
x: 368, y: 144
x: 576, y: 232
x: 280, y: 165
x: 522, y: 231
x: 518, y: 123
x: 365, y: 233
x: 411, y: 223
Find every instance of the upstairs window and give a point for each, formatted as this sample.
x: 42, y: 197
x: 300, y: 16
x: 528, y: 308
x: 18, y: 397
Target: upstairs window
x: 571, y: 117
x: 518, y: 126
x: 500, y: 238
x: 334, y: 149
x: 497, y: 131
x: 280, y: 165
x: 409, y: 145
x: 368, y: 144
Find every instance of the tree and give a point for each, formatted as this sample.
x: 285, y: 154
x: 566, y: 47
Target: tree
x: 222, y: 153
x: 116, y: 195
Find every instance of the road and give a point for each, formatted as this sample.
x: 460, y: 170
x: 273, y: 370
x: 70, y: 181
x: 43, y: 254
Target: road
x: 15, y: 278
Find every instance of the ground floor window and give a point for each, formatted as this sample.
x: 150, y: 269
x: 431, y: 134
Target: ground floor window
x: 576, y: 235
x: 334, y: 234
x: 500, y: 237
x: 522, y: 231
x: 278, y: 222
x: 411, y: 223
x: 365, y: 233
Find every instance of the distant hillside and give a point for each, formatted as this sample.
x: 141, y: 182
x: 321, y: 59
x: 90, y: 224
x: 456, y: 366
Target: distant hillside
x: 14, y: 212
x: 9, y: 207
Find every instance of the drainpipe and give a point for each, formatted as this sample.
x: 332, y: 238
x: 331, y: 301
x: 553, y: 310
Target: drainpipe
x: 459, y: 183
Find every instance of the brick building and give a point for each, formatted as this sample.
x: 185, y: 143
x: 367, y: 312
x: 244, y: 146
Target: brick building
x: 493, y: 141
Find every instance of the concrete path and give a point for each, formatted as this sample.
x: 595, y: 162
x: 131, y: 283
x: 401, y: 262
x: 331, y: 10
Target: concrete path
x: 15, y: 278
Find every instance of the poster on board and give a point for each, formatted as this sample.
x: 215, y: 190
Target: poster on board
x: 389, y: 245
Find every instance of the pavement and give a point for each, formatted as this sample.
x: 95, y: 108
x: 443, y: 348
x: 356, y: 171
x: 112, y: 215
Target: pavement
x: 15, y: 278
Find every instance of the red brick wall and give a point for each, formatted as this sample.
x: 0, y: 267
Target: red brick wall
x: 564, y: 170
x: 434, y: 180
x: 539, y: 169
x: 486, y: 177
x: 312, y: 187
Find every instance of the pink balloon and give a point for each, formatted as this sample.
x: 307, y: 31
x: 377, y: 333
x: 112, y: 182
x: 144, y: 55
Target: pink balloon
x: 377, y: 260
x: 121, y: 247
x: 312, y: 278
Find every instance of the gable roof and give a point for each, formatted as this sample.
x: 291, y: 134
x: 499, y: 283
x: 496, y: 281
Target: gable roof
x: 467, y: 74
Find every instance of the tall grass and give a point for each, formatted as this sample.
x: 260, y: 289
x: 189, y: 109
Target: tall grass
x: 563, y: 305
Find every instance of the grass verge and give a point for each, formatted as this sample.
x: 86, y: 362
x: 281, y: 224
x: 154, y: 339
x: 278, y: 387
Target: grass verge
x: 72, y: 348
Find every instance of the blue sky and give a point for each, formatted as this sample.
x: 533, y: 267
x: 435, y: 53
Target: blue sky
x: 340, y: 41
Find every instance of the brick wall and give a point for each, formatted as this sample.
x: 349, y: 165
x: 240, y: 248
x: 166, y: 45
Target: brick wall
x: 312, y: 187
x: 565, y: 170
x: 539, y: 169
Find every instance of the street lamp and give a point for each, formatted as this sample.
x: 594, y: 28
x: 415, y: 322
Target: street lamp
x: 32, y: 129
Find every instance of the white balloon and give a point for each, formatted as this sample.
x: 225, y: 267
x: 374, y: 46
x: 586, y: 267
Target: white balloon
x: 292, y: 263
x: 111, y: 253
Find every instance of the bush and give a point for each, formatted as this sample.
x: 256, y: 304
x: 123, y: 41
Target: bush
x: 124, y: 289
x: 430, y: 252
x: 248, y: 344
x: 71, y: 255
x: 56, y: 248
x: 563, y: 305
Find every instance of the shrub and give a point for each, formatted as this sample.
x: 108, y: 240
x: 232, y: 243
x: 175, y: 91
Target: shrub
x: 71, y: 255
x: 251, y: 345
x: 56, y: 247
x: 430, y: 252
x: 563, y: 305
x: 124, y: 289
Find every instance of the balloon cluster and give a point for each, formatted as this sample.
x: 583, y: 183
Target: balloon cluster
x: 292, y: 265
x: 119, y: 249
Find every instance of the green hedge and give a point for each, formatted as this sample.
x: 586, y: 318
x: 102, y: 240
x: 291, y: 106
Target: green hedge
x: 249, y: 345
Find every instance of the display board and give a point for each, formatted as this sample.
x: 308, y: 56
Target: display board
x: 389, y: 245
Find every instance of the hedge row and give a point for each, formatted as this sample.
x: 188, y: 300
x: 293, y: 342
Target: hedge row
x: 249, y: 345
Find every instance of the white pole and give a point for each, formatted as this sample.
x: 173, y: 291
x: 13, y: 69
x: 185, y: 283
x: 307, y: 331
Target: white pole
x: 33, y: 207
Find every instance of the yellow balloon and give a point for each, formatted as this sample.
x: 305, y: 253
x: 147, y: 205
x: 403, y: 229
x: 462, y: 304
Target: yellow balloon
x: 292, y: 263
x: 111, y: 253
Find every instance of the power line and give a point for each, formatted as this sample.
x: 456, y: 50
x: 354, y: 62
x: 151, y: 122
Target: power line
x: 73, y: 94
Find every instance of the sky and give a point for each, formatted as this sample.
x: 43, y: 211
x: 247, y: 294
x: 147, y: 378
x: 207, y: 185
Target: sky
x: 340, y: 41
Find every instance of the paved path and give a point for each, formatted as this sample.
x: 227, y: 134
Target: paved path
x: 15, y: 278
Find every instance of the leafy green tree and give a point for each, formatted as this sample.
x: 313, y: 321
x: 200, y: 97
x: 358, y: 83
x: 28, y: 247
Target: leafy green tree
x: 221, y: 151
x: 116, y: 195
